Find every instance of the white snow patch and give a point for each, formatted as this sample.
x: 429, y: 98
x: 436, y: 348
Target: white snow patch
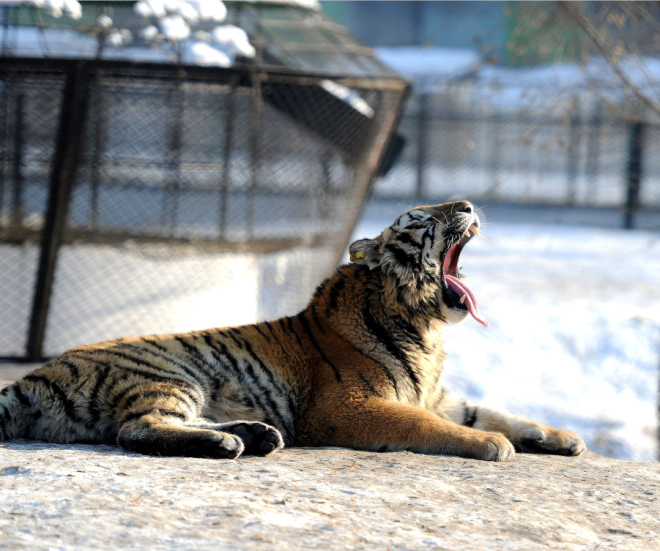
x: 307, y: 4
x: 71, y: 8
x: 348, y: 95
x: 233, y: 41
x: 148, y: 33
x: 210, y: 10
x: 104, y: 21
x: 446, y: 63
x: 174, y: 28
x: 204, y: 54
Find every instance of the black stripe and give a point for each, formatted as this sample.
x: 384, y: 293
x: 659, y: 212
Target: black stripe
x: 198, y: 358
x: 410, y: 332
x: 139, y: 361
x: 235, y: 339
x: 405, y: 237
x: 68, y: 404
x: 272, y: 332
x: 385, y: 369
x: 370, y: 387
x: 321, y: 288
x: 152, y: 394
x: 93, y: 409
x: 278, y: 340
x: 316, y: 317
x: 235, y: 368
x: 265, y: 392
x: 469, y: 415
x: 333, y: 299
x: 305, y: 323
x: 118, y: 397
x: 292, y: 410
x: 289, y: 324
x: 136, y: 415
x: 155, y: 344
x: 72, y: 367
x: 261, y: 333
x: 402, y: 257
x: 169, y: 356
x: 183, y: 386
x: 381, y: 334
x: 22, y: 398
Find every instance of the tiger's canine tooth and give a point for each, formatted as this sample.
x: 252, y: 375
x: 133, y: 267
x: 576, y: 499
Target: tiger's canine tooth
x: 473, y: 228
x: 462, y: 301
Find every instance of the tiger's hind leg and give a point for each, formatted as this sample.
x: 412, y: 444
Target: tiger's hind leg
x: 156, y: 434
x: 258, y: 438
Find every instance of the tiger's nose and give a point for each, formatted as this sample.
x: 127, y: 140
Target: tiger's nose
x: 466, y: 207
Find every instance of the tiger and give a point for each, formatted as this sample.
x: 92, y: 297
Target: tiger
x: 360, y: 367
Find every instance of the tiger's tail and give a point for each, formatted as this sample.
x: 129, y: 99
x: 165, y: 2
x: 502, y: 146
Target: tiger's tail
x: 17, y: 413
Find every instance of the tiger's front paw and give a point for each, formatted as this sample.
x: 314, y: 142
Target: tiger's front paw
x: 551, y: 441
x: 493, y: 446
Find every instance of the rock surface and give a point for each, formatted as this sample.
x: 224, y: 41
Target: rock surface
x: 99, y: 497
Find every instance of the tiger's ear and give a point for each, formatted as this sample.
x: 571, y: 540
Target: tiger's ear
x: 365, y: 251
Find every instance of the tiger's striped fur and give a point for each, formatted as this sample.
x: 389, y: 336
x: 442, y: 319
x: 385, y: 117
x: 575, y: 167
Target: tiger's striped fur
x: 359, y: 367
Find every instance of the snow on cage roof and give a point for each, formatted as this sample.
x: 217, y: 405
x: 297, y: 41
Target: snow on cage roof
x: 291, y: 34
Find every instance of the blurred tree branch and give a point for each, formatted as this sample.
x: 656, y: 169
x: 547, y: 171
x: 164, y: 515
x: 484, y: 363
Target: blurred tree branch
x: 607, y: 46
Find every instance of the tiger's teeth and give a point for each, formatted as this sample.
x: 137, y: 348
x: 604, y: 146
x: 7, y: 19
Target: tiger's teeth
x: 462, y: 301
x: 473, y: 228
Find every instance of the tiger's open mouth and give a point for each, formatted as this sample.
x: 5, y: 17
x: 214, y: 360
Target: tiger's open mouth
x: 460, y: 295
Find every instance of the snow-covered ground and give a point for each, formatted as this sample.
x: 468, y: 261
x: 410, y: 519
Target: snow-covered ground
x: 574, y: 336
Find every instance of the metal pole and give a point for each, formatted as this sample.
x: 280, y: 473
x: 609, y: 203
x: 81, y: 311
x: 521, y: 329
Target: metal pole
x: 63, y: 173
x: 5, y: 137
x: 17, y: 190
x: 422, y: 142
x: 170, y: 204
x: 593, y: 153
x: 99, y: 131
x: 226, y: 156
x: 255, y: 151
x: 633, y: 172
x: 573, y: 157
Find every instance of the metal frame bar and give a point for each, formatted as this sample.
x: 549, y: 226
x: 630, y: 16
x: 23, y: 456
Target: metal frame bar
x: 214, y: 74
x: 65, y: 163
x: 79, y: 79
x: 633, y: 172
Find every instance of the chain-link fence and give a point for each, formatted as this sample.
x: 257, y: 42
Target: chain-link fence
x: 143, y: 199
x: 463, y: 140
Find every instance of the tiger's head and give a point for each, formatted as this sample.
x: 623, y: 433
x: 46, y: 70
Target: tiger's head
x: 418, y: 258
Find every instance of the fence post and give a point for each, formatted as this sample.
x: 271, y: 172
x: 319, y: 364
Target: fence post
x: 65, y: 163
x: 633, y: 172
x: 422, y: 141
x: 573, y: 155
x: 17, y: 190
x: 225, y: 180
x: 593, y: 153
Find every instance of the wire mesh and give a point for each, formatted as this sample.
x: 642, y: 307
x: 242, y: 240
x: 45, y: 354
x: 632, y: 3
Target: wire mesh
x: 201, y: 199
x: 28, y: 125
x: 553, y: 151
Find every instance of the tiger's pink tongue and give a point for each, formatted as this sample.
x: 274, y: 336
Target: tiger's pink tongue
x: 470, y: 300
